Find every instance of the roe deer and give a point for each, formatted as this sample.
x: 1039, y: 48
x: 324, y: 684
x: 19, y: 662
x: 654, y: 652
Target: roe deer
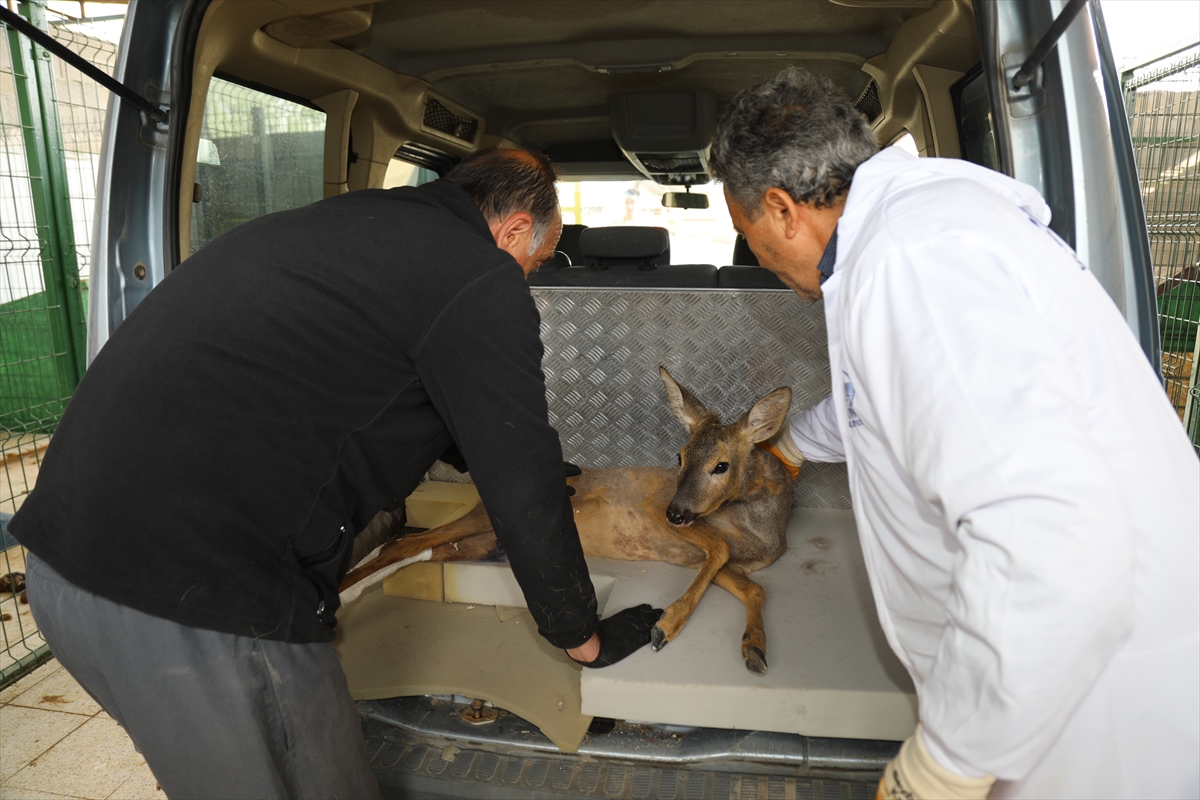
x: 724, y: 512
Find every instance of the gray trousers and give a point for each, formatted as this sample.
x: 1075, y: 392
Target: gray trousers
x: 215, y: 715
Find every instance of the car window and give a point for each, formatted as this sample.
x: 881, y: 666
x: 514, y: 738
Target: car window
x: 258, y: 154
x: 698, y: 236
x: 974, y: 118
x: 402, y: 173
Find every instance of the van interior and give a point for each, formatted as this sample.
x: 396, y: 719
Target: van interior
x: 293, y: 101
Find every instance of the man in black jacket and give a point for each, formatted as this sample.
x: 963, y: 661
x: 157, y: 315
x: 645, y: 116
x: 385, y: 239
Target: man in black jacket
x: 196, y: 508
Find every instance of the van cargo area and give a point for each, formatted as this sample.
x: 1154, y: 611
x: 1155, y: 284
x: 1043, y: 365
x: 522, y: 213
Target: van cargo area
x: 835, y: 700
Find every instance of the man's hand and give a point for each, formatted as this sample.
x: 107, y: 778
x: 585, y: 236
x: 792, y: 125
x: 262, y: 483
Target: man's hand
x: 617, y: 636
x: 571, y: 471
x: 782, y: 447
x: 914, y: 775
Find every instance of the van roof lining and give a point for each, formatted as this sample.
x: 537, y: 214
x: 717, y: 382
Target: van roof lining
x: 528, y: 65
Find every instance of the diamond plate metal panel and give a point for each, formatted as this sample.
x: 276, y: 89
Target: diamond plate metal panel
x: 729, y: 347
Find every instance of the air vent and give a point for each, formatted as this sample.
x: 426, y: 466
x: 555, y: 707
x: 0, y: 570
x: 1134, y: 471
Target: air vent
x: 426, y: 156
x: 440, y: 118
x: 868, y: 102
x: 671, y: 163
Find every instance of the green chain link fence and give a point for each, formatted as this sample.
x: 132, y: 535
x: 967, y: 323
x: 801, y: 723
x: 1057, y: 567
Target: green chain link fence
x: 51, y: 125
x: 1162, y: 99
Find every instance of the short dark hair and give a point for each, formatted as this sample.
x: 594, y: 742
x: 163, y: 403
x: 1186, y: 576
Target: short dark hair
x: 796, y: 132
x: 505, y: 180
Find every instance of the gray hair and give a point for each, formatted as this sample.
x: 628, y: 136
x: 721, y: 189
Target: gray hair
x: 796, y: 132
x: 503, y: 181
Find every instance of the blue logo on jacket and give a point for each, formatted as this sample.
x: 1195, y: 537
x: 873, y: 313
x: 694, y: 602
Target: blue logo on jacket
x: 855, y: 420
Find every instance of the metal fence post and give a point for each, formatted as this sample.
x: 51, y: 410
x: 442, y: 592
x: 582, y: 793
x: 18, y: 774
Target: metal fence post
x: 34, y: 85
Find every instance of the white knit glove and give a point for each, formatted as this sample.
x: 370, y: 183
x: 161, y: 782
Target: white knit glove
x: 782, y: 447
x: 914, y: 775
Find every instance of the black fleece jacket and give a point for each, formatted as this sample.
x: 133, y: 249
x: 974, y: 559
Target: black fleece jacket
x: 284, y: 384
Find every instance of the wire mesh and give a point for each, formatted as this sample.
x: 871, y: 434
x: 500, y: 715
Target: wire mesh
x: 82, y: 104
x: 258, y: 153
x: 36, y: 378
x: 26, y: 363
x: 1163, y: 100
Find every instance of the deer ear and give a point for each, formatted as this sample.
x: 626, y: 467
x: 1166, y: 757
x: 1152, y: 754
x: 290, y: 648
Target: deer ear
x: 686, y: 408
x: 765, y: 418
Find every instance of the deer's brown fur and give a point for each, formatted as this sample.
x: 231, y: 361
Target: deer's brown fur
x: 723, y: 521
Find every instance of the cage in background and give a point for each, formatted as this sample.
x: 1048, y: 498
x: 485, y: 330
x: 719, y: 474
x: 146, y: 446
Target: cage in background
x: 51, y: 126
x: 1162, y: 99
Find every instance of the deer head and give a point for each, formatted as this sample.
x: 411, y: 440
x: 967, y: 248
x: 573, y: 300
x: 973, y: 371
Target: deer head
x: 714, y: 463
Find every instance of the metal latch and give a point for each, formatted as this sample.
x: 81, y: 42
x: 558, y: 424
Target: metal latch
x: 479, y: 713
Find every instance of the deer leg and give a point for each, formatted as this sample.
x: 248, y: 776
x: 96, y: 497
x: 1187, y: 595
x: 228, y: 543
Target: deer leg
x: 475, y: 522
x: 480, y: 547
x: 716, y: 553
x: 754, y: 640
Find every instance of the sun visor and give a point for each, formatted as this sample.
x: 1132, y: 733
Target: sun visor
x: 666, y: 136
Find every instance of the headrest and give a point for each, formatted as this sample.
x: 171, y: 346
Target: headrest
x: 569, y: 242
x: 742, y: 254
x: 625, y: 244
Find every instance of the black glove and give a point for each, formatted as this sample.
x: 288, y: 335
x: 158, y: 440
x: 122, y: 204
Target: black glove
x: 623, y: 633
x: 571, y: 471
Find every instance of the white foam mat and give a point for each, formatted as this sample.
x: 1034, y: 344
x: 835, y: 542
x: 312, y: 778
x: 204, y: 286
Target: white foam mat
x: 830, y: 670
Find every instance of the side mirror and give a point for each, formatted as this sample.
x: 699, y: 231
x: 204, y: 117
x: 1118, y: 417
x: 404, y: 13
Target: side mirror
x: 684, y: 200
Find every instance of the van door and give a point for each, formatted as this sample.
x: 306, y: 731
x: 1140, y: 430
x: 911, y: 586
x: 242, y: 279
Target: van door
x: 1051, y: 134
x: 131, y: 227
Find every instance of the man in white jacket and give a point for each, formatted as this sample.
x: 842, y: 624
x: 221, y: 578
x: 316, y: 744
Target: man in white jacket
x: 1027, y: 502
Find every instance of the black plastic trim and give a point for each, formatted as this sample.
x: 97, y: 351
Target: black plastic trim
x: 986, y: 22
x: 423, y: 155
x: 1145, y: 295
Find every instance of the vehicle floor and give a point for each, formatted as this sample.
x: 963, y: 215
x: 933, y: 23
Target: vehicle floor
x: 423, y: 748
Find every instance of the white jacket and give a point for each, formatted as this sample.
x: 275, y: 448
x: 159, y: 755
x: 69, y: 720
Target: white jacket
x: 1027, y: 500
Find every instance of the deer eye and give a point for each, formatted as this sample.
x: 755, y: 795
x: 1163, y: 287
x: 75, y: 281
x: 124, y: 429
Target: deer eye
x: 721, y: 467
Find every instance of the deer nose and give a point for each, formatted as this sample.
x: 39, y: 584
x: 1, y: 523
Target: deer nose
x: 679, y: 516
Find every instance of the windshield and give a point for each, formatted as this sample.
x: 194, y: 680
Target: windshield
x: 698, y: 235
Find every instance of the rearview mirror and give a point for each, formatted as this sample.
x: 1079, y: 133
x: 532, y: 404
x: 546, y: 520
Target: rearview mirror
x: 684, y: 200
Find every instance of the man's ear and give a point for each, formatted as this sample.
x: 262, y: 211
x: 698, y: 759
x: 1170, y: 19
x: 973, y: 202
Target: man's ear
x: 513, y: 233
x: 782, y: 211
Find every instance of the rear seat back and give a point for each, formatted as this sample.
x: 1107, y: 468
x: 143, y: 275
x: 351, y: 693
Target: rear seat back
x: 742, y: 277
x: 669, y: 276
x: 631, y: 256
x: 745, y: 272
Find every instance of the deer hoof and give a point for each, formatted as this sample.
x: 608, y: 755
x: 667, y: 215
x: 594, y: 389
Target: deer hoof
x: 658, y: 639
x: 756, y: 661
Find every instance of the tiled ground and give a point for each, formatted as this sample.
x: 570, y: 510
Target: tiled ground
x: 55, y: 742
